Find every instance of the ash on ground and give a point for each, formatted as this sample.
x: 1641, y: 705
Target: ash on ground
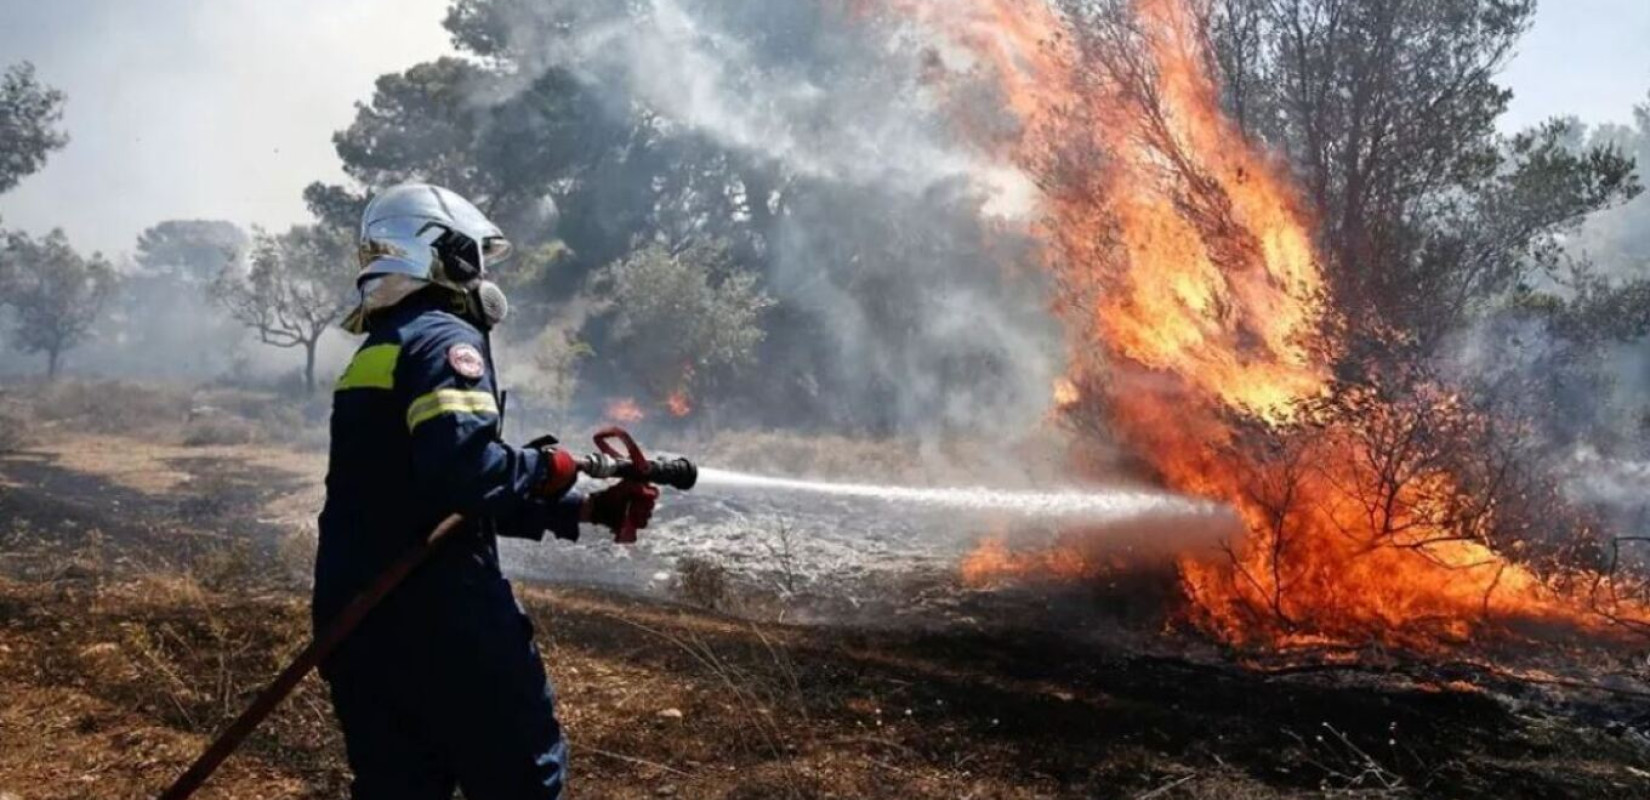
x: 791, y: 546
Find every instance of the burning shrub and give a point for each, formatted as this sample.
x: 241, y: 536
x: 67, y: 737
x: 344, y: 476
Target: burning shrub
x: 1390, y: 512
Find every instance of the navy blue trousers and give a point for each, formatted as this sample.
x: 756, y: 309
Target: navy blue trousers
x: 447, y: 694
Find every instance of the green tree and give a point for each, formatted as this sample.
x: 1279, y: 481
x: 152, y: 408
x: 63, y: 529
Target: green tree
x: 55, y: 294
x: 334, y: 206
x: 683, y: 318
x: 1619, y: 239
x: 175, y: 262
x: 511, y: 133
x: 421, y: 124
x: 525, y: 123
x: 29, y: 115
x: 193, y: 250
x: 291, y: 289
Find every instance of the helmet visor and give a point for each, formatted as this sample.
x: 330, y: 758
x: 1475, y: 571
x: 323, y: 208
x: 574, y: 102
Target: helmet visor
x: 497, y: 249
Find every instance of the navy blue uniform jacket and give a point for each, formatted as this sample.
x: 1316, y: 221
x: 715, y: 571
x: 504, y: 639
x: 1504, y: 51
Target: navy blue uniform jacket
x: 413, y: 440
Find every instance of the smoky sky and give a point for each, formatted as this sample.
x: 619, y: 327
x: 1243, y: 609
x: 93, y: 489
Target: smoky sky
x: 224, y: 109
x: 220, y: 109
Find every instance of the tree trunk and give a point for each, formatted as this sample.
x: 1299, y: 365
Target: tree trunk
x: 309, y: 365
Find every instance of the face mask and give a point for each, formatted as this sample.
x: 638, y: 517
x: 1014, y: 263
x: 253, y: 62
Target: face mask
x: 490, y: 304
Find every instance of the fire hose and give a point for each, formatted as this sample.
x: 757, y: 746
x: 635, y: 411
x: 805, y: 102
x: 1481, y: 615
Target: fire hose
x: 629, y: 464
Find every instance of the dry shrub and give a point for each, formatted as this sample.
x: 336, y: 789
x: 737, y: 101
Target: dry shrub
x: 291, y: 419
x: 14, y: 430
x: 219, y: 430
x: 110, y: 406
x: 701, y: 582
x: 295, y: 552
x: 268, y: 410
x: 226, y: 567
x: 197, y: 417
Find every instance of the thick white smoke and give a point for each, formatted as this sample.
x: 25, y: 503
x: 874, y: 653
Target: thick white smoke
x: 907, y: 248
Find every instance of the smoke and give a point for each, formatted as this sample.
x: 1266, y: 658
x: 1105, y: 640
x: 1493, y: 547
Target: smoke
x: 161, y: 323
x: 183, y: 110
x: 187, y: 110
x: 1583, y: 403
x: 898, y: 245
x: 838, y: 101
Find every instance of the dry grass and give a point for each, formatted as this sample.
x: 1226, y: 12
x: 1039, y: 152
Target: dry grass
x: 202, y: 416
x: 14, y: 430
x: 110, y: 690
x: 702, y: 582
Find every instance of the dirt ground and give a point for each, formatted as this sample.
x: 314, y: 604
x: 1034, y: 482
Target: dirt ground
x: 147, y: 590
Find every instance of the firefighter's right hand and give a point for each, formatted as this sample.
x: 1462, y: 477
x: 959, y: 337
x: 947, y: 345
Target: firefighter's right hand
x: 625, y: 501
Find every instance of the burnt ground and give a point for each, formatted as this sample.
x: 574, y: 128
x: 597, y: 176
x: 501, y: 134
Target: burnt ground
x: 133, y: 622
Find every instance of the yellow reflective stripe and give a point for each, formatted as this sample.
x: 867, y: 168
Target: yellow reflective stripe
x: 372, y: 368
x: 449, y: 401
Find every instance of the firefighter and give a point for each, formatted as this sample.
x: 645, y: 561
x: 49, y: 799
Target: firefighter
x: 442, y: 686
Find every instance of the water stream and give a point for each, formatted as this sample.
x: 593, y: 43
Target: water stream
x: 1096, y: 505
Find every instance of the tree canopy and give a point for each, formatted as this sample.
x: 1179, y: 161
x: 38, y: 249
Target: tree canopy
x: 55, y: 294
x: 193, y: 250
x: 1387, y: 111
x: 29, y: 116
x: 291, y: 290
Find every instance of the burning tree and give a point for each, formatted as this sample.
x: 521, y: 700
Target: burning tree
x: 1387, y: 113
x: 1242, y: 360
x: 290, y: 291
x: 55, y: 294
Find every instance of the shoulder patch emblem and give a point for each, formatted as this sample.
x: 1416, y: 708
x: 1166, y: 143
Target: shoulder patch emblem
x: 466, y: 361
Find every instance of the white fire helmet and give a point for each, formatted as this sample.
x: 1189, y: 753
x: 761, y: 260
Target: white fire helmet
x: 415, y: 235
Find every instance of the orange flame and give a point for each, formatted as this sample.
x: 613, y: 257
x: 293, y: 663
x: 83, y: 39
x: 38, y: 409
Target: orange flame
x: 679, y: 403
x: 993, y: 563
x: 1066, y: 393
x: 625, y: 410
x: 1193, y: 294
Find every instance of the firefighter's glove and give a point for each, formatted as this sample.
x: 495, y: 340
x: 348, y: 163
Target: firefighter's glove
x: 626, y: 501
x: 561, y: 473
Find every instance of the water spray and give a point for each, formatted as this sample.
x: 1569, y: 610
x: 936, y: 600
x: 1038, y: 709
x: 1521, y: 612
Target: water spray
x: 1071, y: 505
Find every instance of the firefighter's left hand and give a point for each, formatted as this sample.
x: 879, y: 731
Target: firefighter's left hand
x: 562, y: 471
x: 610, y: 507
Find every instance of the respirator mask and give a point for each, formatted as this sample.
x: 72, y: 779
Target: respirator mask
x: 462, y: 265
